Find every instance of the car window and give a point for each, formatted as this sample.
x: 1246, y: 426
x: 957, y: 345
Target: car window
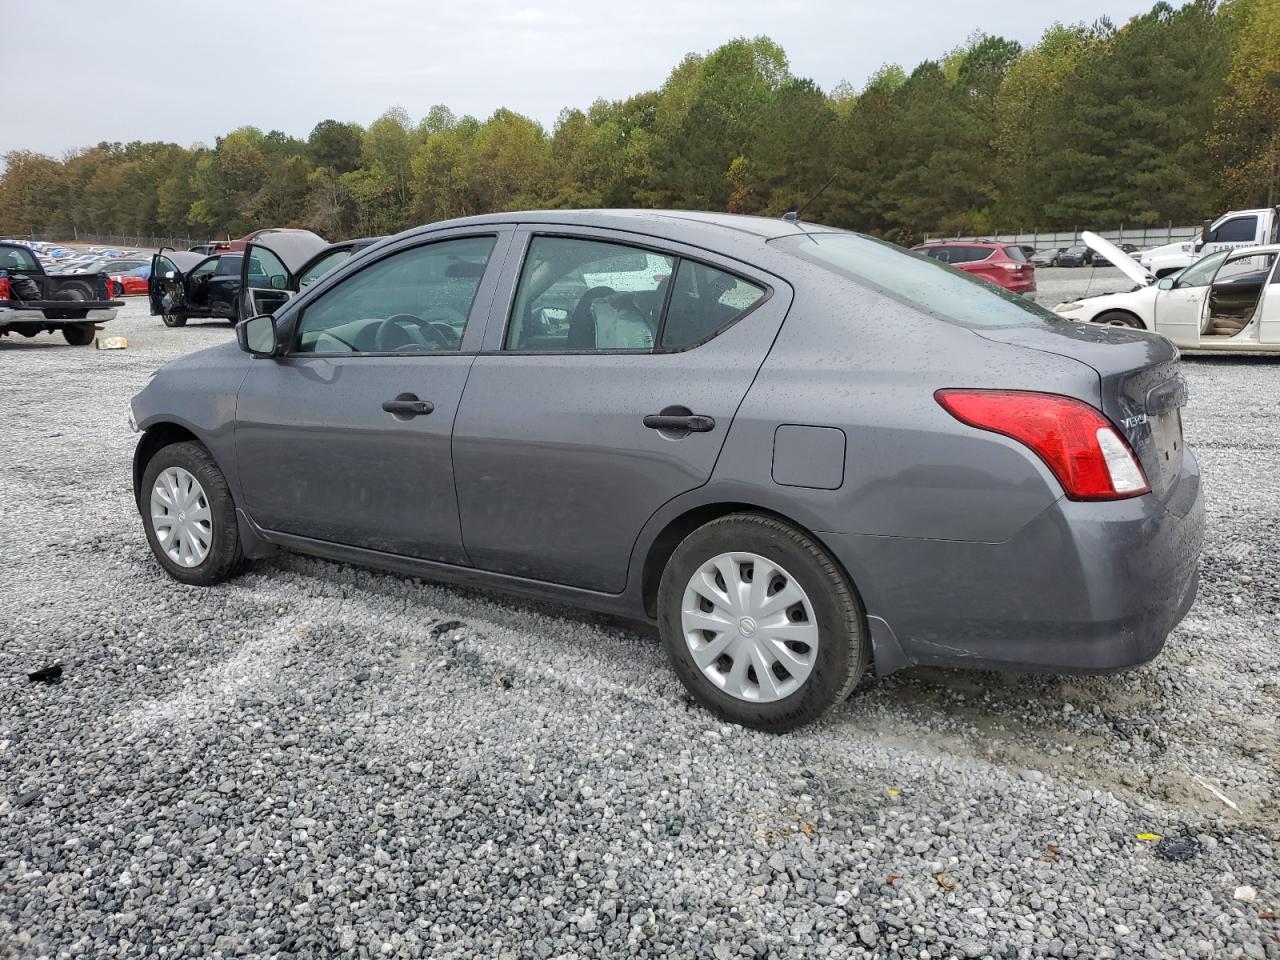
x: 588, y: 295
x: 1016, y: 253
x: 266, y: 272
x: 1200, y: 273
x: 1235, y: 230
x: 957, y: 254
x: 17, y: 260
x: 945, y: 292
x: 1246, y: 270
x: 230, y: 266
x: 704, y: 301
x: 206, y: 268
x: 323, y: 266
x: 414, y: 301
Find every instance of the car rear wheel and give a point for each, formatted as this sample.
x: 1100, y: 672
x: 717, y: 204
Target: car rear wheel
x: 174, y: 319
x: 760, y: 624
x: 80, y: 335
x: 189, y: 516
x: 1119, y: 318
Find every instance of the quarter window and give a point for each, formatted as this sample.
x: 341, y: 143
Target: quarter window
x: 705, y: 300
x: 414, y: 301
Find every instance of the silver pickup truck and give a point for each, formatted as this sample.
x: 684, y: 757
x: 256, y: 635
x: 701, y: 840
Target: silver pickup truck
x: 33, y: 302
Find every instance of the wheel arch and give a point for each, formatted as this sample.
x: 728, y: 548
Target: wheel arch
x: 1141, y: 324
x: 663, y: 545
x: 155, y: 438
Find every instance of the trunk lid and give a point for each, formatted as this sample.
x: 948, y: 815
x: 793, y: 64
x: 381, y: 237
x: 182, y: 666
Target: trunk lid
x: 1141, y: 386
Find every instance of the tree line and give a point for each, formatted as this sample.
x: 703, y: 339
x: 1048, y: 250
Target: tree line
x: 1173, y: 116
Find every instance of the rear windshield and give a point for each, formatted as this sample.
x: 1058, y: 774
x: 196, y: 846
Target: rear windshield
x: 941, y: 290
x: 957, y: 254
x: 1015, y: 253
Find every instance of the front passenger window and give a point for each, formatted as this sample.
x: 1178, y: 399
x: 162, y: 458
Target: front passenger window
x: 414, y: 301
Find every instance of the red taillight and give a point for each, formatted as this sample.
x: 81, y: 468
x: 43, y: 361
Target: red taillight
x: 4, y: 288
x: 1081, y: 446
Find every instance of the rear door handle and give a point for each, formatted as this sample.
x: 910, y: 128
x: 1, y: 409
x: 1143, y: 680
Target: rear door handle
x: 693, y: 422
x: 406, y: 407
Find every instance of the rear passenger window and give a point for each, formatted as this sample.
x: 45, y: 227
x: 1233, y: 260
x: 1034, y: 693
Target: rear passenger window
x: 584, y: 295
x: 704, y: 301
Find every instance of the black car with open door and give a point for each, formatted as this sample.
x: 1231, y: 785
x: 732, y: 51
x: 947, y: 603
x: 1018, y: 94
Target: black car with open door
x: 229, y: 286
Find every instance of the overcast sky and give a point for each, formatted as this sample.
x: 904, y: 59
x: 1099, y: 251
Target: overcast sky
x: 187, y: 72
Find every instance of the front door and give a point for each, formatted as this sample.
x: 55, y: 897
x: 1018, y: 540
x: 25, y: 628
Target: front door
x: 165, y: 291
x: 610, y: 392
x: 1269, y: 309
x: 346, y: 437
x: 1180, y: 307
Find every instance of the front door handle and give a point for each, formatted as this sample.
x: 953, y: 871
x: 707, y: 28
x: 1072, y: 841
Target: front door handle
x: 693, y: 422
x: 406, y: 406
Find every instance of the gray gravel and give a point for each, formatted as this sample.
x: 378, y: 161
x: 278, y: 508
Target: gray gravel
x: 317, y: 760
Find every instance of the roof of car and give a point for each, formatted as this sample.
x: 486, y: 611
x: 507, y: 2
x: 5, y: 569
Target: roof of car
x: 677, y: 224
x: 965, y: 243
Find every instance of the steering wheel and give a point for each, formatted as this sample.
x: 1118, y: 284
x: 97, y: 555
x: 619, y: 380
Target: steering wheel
x: 392, y: 337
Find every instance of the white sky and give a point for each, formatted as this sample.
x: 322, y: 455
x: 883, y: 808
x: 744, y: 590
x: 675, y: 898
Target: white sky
x: 186, y: 72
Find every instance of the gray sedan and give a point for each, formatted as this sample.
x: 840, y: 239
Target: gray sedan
x: 801, y: 452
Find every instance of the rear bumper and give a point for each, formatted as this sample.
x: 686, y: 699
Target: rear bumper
x: 1085, y: 587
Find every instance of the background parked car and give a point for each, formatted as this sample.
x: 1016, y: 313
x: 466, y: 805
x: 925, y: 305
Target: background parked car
x: 1077, y: 256
x: 1047, y: 257
x: 1004, y: 264
x: 132, y: 283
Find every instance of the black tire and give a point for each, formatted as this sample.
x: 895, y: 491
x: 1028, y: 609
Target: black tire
x: 1119, y: 318
x: 174, y: 319
x: 225, y: 558
x: 843, y: 650
x: 81, y: 335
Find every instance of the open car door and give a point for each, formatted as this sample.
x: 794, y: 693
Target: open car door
x: 327, y: 259
x: 269, y: 273
x: 167, y: 285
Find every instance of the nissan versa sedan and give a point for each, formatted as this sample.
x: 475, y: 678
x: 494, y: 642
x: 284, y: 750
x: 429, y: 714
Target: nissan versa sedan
x: 802, y: 453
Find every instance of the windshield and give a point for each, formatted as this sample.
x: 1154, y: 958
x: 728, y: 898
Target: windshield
x: 941, y: 290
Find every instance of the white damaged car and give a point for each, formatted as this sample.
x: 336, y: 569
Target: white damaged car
x: 1229, y: 300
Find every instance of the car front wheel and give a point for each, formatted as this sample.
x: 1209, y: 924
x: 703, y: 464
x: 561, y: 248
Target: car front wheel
x: 174, y: 319
x: 760, y: 624
x: 189, y: 516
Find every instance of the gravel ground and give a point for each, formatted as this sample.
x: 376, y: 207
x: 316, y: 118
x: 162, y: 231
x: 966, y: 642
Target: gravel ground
x: 317, y: 760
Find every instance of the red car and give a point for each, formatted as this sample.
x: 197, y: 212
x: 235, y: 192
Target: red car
x: 1004, y: 264
x: 131, y: 284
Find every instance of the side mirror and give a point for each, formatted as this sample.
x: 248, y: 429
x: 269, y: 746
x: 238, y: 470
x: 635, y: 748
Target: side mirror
x: 1166, y: 283
x: 278, y: 281
x: 169, y: 275
x: 257, y: 335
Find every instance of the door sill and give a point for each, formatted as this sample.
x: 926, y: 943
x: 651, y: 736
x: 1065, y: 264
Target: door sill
x: 615, y: 604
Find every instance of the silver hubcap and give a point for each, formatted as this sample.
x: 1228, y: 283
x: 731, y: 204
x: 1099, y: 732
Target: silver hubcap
x: 750, y: 627
x: 181, y: 517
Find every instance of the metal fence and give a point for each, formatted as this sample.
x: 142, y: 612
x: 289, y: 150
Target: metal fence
x: 1140, y: 237
x: 133, y: 241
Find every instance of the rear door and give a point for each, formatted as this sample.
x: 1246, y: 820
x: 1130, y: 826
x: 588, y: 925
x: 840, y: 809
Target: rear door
x: 608, y: 390
x: 345, y: 438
